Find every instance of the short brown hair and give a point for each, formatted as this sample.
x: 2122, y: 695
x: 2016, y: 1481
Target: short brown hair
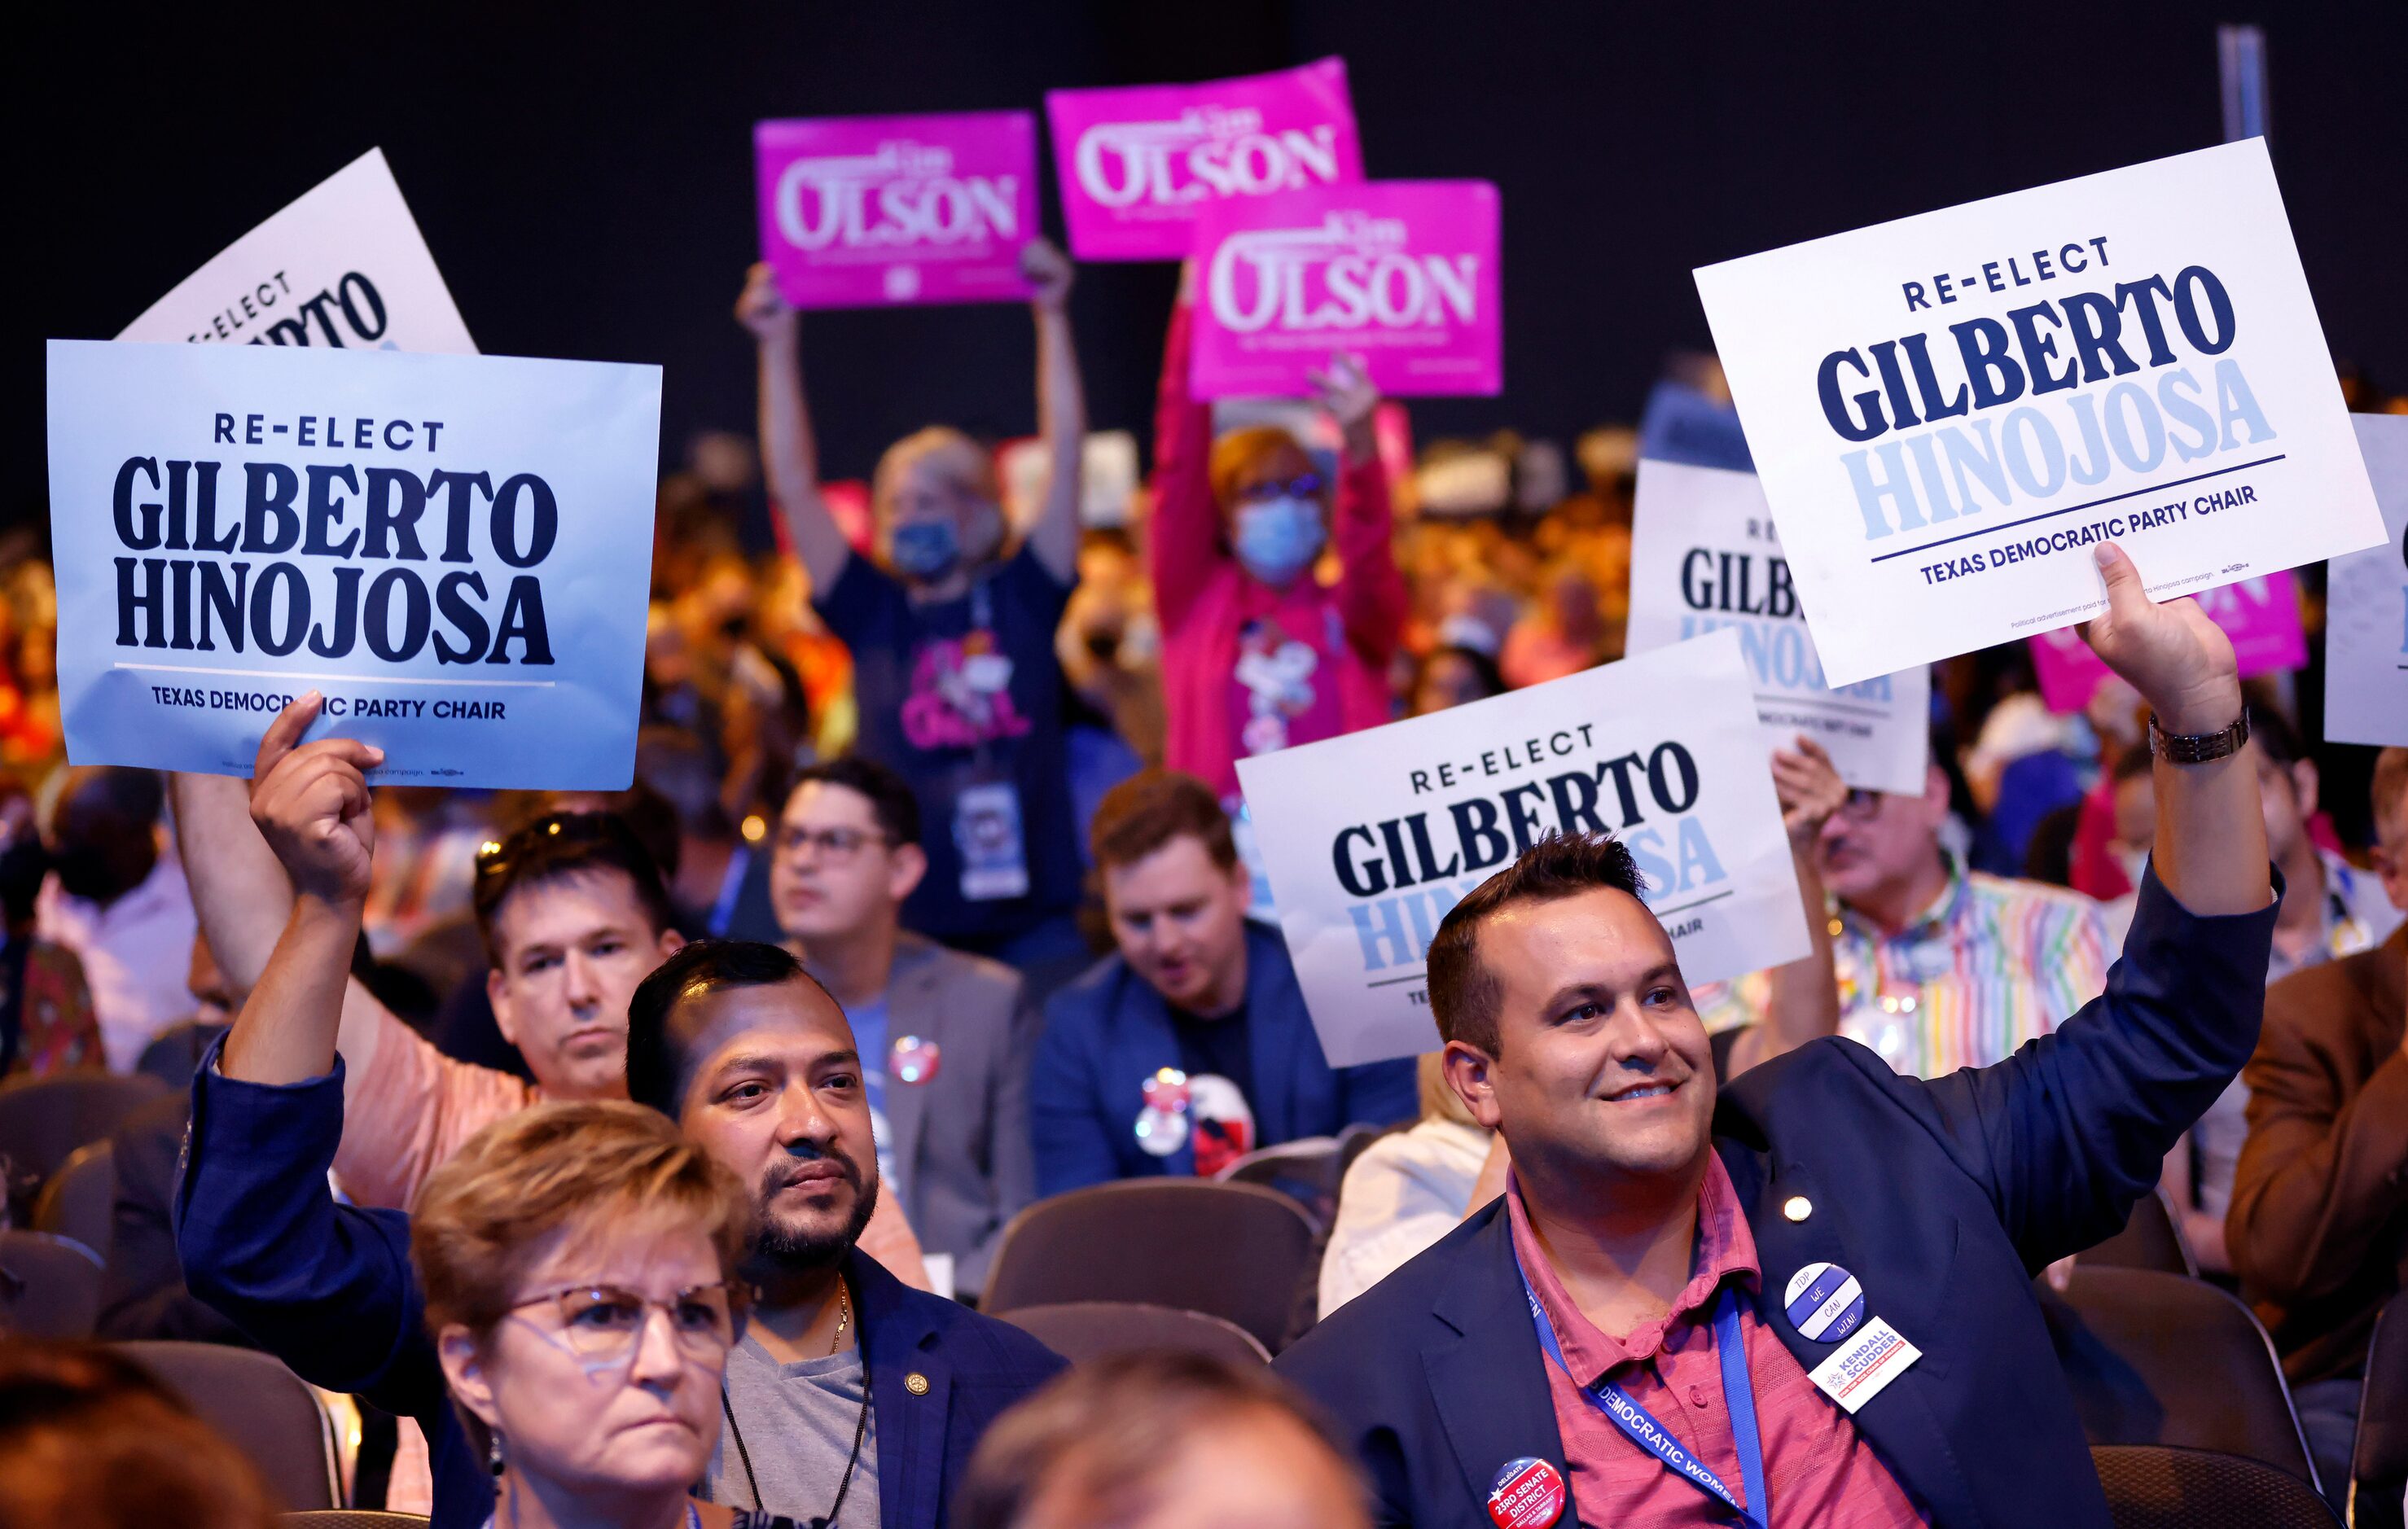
x: 485, y: 1213
x: 1462, y: 994
x: 1236, y: 451
x: 88, y: 1437
x: 1150, y: 809
x: 1105, y: 1429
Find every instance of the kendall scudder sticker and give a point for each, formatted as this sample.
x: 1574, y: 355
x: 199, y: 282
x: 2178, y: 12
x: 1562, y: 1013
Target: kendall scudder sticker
x: 1865, y: 1365
x: 1825, y: 1303
x: 1528, y: 1495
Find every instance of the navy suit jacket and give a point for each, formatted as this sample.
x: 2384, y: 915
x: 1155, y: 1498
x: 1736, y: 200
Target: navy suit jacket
x: 329, y: 1289
x: 1109, y: 1031
x: 1942, y: 1198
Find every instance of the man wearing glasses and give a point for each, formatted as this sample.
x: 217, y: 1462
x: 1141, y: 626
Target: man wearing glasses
x: 944, y: 1037
x: 1940, y: 967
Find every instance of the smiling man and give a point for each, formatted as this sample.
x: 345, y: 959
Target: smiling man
x: 1807, y: 1294
x: 851, y: 1391
x: 1191, y: 1045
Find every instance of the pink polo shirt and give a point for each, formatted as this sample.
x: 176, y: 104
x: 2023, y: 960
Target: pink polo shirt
x: 1817, y: 1469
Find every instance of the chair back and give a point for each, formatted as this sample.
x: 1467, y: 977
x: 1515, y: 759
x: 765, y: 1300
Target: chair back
x: 2152, y: 1486
x: 79, y: 1201
x: 263, y: 1408
x: 2151, y: 1239
x: 1238, y: 1252
x: 44, y: 1119
x: 2159, y: 1359
x: 175, y: 1053
x: 1306, y: 1170
x: 349, y: 1518
x: 49, y: 1287
x: 2378, y: 1470
x: 1080, y: 1331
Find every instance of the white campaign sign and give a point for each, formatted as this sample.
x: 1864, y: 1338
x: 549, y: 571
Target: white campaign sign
x: 344, y: 265
x: 1947, y: 411
x: 2366, y: 604
x: 1704, y: 556
x: 1370, y: 839
x: 454, y: 549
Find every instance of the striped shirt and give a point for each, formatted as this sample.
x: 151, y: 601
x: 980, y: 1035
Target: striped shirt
x: 1991, y: 964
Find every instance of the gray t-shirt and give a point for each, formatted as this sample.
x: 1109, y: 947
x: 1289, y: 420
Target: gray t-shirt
x: 798, y: 1424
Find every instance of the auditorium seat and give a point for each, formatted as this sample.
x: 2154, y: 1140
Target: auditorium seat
x: 2159, y: 1359
x: 2151, y: 1239
x: 44, y: 1119
x: 49, y: 1287
x: 2378, y: 1472
x: 79, y: 1201
x: 1306, y: 1170
x: 263, y: 1408
x: 349, y: 1518
x: 1238, y: 1252
x: 1080, y: 1331
x: 2154, y: 1486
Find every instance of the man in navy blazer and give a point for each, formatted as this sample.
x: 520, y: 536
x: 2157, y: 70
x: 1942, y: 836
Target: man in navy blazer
x: 1821, y: 1277
x: 1196, y: 991
x: 730, y: 1039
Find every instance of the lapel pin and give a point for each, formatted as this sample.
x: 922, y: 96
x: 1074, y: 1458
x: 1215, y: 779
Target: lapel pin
x: 1796, y: 1207
x: 916, y: 1383
x: 1528, y: 1495
x: 915, y: 1059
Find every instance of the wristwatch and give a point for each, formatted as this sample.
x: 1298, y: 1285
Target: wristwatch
x: 2199, y: 748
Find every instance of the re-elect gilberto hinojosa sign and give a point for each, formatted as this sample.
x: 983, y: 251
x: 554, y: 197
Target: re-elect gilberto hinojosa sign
x: 1949, y: 411
x: 454, y: 549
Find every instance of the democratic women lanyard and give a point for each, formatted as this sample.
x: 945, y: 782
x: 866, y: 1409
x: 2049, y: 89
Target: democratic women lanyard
x: 1639, y: 1425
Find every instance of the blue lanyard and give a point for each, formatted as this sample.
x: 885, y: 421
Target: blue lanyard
x: 1624, y: 1412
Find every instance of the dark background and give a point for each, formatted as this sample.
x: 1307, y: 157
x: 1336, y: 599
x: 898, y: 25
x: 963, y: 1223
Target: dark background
x: 584, y: 176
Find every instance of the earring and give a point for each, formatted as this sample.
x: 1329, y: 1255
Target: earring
x: 494, y: 1455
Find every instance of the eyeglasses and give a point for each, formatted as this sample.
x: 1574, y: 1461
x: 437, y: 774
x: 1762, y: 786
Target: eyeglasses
x: 1862, y: 806
x: 605, y: 1324
x: 837, y: 846
x: 1303, y: 486
x: 495, y: 857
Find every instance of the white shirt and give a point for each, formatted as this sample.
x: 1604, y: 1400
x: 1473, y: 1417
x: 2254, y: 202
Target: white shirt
x: 136, y: 955
x: 1405, y: 1193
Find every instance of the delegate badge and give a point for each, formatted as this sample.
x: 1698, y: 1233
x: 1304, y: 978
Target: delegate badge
x: 915, y: 1059
x: 1162, y: 1125
x: 1825, y: 1303
x: 1528, y: 1495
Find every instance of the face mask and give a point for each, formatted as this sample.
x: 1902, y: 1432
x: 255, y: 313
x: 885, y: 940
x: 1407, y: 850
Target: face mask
x: 925, y: 549
x: 1279, y: 539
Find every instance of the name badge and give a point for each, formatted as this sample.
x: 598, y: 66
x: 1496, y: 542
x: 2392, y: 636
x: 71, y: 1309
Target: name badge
x: 1864, y: 1364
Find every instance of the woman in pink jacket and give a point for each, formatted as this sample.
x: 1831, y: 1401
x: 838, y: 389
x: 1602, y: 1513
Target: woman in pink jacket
x: 1257, y: 655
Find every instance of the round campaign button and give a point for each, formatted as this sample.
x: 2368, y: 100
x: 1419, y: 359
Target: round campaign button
x: 1825, y: 1303
x: 1528, y: 1495
x: 915, y: 1059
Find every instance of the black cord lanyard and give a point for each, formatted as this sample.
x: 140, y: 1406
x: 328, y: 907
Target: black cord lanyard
x: 860, y: 1431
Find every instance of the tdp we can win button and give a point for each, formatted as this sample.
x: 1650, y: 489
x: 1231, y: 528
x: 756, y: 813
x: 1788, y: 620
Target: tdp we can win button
x: 1825, y: 1303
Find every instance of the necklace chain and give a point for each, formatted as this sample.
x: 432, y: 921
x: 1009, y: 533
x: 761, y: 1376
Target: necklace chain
x: 843, y: 1316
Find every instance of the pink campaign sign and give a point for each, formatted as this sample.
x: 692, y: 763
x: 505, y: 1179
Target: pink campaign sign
x: 1138, y: 164
x: 874, y: 211
x: 1402, y: 273
x: 2261, y: 616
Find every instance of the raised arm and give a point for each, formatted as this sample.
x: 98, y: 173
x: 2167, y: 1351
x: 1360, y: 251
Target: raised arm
x: 1061, y: 411
x: 790, y: 457
x: 2073, y: 1128
x: 310, y: 802
x: 1183, y: 540
x: 1371, y: 595
x: 244, y: 901
x: 1805, y: 997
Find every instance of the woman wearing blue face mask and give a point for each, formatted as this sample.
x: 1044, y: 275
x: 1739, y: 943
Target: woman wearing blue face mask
x: 952, y: 634
x: 1257, y: 653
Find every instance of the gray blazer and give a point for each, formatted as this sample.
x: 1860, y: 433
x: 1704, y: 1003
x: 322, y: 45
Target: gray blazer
x: 961, y: 1135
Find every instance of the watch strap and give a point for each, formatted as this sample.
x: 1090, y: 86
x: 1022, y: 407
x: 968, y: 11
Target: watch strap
x: 2199, y: 748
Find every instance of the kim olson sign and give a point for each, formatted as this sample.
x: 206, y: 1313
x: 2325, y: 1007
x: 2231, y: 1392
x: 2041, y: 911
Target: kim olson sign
x: 1369, y: 839
x: 1975, y: 396
x: 440, y: 544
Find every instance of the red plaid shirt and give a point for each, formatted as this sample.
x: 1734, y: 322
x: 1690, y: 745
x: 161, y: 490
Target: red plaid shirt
x: 1817, y: 1469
